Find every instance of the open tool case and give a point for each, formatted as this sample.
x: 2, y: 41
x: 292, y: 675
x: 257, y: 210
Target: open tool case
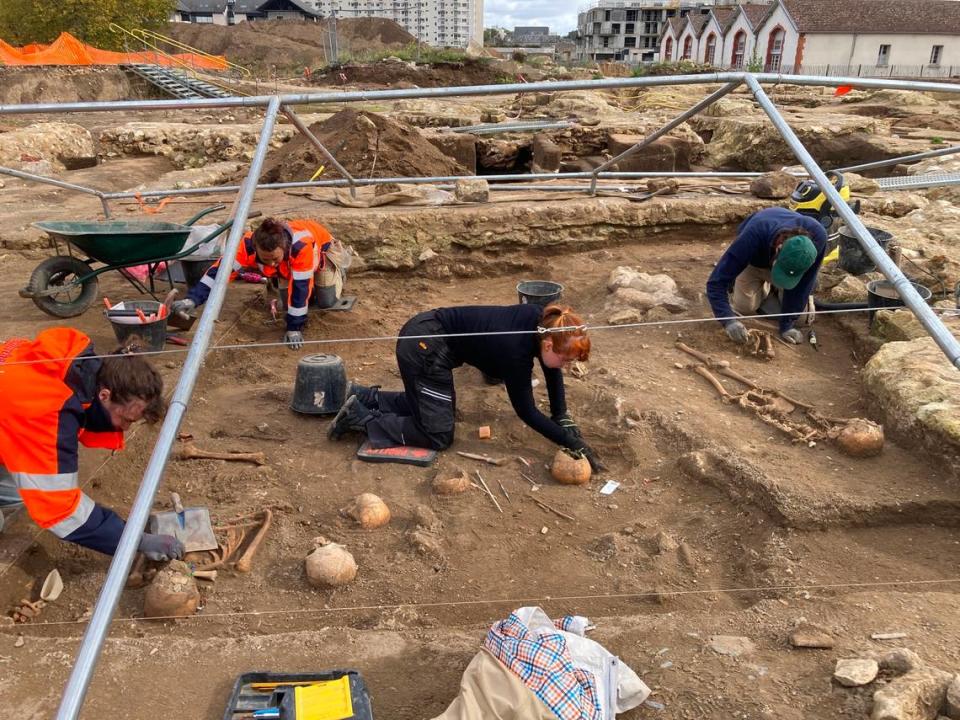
x: 331, y: 695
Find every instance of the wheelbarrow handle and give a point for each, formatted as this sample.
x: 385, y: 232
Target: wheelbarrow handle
x: 203, y: 213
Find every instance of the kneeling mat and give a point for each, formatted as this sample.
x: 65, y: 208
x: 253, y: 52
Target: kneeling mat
x: 403, y: 454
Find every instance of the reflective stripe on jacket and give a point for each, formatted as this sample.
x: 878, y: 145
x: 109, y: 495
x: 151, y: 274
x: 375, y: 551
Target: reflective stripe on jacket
x: 49, y: 408
x: 308, y: 242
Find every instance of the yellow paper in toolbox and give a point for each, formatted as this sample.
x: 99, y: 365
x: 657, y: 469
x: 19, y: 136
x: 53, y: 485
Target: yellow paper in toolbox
x: 329, y: 700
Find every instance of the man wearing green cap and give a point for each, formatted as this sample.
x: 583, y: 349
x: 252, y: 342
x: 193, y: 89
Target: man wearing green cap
x: 774, y: 247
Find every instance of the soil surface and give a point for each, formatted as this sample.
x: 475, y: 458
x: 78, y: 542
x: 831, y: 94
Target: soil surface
x: 720, y: 525
x: 775, y: 533
x: 398, y: 74
x: 366, y: 145
x: 290, y: 45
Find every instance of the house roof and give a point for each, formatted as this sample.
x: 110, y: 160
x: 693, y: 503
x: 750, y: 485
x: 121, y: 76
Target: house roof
x: 698, y: 22
x: 672, y: 23
x: 724, y: 16
x: 287, y: 6
x: 903, y: 17
x: 241, y: 7
x: 756, y: 14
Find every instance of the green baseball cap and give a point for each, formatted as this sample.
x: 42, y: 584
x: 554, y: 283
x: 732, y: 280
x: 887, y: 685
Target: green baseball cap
x: 796, y: 256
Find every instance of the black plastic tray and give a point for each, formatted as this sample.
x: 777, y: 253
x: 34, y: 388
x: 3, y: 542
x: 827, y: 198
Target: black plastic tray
x: 245, y: 700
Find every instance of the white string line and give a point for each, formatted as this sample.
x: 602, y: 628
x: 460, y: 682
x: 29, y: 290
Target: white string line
x: 949, y: 312
x: 513, y: 601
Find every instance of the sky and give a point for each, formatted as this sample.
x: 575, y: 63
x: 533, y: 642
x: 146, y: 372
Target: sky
x: 559, y: 15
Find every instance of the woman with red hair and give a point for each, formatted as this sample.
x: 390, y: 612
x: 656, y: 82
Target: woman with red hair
x: 500, y: 341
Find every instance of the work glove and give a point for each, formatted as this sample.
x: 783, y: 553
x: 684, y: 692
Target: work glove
x: 595, y: 463
x: 182, y: 307
x: 792, y: 336
x: 293, y: 339
x: 160, y: 548
x: 568, y: 424
x: 736, y: 331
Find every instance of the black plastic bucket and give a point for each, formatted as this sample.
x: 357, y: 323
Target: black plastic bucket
x: 539, y: 292
x: 853, y: 258
x: 126, y: 322
x: 321, y: 385
x: 881, y: 294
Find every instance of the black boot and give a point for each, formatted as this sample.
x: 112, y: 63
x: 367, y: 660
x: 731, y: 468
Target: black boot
x: 353, y: 416
x: 369, y: 396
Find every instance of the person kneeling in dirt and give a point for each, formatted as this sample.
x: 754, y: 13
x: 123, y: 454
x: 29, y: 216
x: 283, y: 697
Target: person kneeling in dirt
x: 423, y: 415
x: 56, y: 395
x: 297, y: 251
x: 774, y: 247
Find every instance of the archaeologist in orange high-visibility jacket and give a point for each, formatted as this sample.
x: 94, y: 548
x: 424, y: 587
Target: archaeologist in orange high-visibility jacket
x: 58, y: 395
x: 299, y: 252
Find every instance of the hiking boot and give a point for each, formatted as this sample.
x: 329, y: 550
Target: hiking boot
x: 353, y: 416
x: 369, y: 396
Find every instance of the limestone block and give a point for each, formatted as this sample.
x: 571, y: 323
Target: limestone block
x: 918, y: 695
x: 666, y: 154
x: 472, y: 190
x: 462, y: 147
x: 917, y: 391
x: 547, y: 155
x: 952, y: 707
x: 849, y: 289
x: 643, y: 291
x: 773, y: 186
x: 896, y: 326
x: 731, y: 645
x: 854, y: 672
x: 59, y: 144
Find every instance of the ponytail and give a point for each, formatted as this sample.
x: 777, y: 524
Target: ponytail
x: 128, y: 376
x: 571, y: 342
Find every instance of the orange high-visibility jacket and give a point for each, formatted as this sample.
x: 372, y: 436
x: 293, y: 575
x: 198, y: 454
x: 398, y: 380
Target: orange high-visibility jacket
x: 49, y: 408
x: 308, y: 242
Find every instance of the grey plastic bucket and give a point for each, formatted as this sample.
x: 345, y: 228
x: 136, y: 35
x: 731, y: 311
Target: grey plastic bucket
x: 881, y: 294
x: 853, y: 258
x: 539, y: 292
x: 321, y: 385
x: 126, y: 323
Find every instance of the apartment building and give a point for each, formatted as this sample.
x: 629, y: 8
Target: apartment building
x: 440, y: 23
x: 630, y: 30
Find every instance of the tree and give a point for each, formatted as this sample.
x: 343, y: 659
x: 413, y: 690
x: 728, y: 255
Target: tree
x: 41, y: 21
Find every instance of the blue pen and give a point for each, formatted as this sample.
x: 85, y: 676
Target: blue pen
x: 267, y: 713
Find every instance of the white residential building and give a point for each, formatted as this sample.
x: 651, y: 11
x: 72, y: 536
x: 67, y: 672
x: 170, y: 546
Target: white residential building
x: 440, y: 23
x: 909, y: 38
x: 630, y: 30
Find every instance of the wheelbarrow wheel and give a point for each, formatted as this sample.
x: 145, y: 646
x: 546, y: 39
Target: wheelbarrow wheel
x: 62, y: 271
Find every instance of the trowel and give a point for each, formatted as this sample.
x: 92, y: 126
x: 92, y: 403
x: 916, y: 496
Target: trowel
x: 180, y: 320
x: 191, y: 526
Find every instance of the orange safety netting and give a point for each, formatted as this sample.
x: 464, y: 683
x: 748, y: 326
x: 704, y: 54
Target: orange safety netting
x: 67, y: 50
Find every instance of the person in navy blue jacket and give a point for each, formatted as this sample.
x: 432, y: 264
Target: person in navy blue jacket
x: 777, y: 252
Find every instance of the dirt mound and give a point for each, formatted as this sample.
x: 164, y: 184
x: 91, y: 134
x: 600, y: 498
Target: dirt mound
x: 366, y: 144
x: 288, y: 44
x: 393, y: 71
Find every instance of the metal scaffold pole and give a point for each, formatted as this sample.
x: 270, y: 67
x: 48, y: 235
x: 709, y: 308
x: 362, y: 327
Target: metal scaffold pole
x: 96, y: 633
x: 940, y: 334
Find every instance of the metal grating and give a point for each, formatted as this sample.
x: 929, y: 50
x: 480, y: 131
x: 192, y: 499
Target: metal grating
x: 912, y: 182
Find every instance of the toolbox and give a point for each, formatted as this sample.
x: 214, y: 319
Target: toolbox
x: 330, y: 695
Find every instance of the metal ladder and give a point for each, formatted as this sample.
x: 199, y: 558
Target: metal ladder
x: 175, y: 82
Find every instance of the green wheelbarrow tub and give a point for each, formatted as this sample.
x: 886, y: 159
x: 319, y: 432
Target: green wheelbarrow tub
x: 121, y: 243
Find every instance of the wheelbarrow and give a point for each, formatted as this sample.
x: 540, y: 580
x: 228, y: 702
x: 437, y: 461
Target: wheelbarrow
x: 66, y: 285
